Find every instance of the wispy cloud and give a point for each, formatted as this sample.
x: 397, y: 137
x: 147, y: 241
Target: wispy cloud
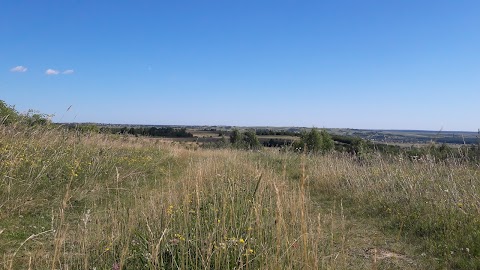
x: 19, y: 69
x: 68, y: 71
x: 52, y: 72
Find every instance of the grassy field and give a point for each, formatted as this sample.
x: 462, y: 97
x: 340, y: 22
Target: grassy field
x: 92, y: 201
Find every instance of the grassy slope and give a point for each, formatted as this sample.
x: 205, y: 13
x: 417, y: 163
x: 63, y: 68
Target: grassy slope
x: 84, y: 201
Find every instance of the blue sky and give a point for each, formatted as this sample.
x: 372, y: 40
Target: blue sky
x: 396, y: 64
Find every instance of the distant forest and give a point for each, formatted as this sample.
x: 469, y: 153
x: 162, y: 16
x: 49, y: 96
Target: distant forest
x: 168, y: 132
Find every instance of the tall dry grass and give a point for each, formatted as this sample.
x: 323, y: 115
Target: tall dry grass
x: 93, y: 201
x: 73, y: 201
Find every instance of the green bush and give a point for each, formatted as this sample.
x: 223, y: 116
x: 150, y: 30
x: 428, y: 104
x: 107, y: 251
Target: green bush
x: 315, y: 141
x: 8, y: 114
x: 245, y: 140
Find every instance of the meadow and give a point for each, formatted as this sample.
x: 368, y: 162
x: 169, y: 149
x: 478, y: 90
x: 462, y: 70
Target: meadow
x: 73, y: 200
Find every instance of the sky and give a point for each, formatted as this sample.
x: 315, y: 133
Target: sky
x: 370, y: 64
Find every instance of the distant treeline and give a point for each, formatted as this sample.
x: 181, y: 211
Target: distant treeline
x: 158, y: 132
x: 168, y: 132
x: 271, y: 132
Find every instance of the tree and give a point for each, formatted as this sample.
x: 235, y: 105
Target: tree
x: 236, y: 137
x: 251, y: 140
x: 245, y: 140
x: 359, y: 147
x: 327, y: 142
x: 33, y: 118
x: 315, y: 141
x: 8, y: 114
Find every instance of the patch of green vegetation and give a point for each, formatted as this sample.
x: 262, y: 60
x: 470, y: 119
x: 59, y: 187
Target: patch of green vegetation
x: 431, y: 204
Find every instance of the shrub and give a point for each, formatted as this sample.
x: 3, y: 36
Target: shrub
x: 8, y: 114
x: 246, y: 140
x: 315, y: 141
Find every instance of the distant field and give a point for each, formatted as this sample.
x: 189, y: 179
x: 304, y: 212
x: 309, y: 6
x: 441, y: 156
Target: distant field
x: 203, y: 134
x: 412, y: 136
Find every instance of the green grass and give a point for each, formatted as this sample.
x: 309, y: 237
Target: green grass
x: 433, y: 204
x: 84, y: 201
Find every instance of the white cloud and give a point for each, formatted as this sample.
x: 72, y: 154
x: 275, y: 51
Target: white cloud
x: 52, y: 72
x: 19, y: 69
x: 68, y: 71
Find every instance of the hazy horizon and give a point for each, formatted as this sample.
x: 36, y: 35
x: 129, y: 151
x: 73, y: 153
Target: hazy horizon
x: 387, y: 65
